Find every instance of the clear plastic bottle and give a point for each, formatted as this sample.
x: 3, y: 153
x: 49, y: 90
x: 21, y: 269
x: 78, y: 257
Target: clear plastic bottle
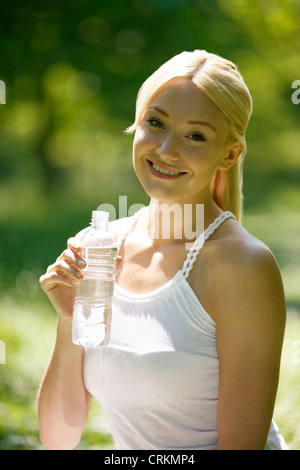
x: 93, y: 295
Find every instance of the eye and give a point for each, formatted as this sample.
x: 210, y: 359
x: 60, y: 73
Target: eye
x: 197, y: 137
x: 154, y: 122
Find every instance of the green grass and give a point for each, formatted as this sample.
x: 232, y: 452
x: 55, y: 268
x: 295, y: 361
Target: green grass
x: 27, y: 328
x: 287, y: 408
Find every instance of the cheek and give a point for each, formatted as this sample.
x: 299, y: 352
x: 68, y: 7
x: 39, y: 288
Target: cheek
x: 142, y: 143
x: 139, y: 148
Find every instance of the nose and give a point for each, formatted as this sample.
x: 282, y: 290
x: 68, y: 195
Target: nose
x: 168, y: 148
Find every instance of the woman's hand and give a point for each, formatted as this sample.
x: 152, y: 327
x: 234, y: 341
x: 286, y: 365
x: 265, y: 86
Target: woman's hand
x: 61, y: 278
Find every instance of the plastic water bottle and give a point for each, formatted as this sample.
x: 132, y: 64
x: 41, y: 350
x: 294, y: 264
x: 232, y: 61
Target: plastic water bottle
x: 93, y: 295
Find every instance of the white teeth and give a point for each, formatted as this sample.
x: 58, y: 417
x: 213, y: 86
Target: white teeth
x: 165, y: 172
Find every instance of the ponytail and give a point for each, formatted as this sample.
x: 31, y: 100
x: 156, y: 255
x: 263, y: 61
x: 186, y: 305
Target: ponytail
x: 226, y: 189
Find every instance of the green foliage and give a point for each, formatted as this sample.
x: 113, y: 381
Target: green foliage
x: 72, y: 71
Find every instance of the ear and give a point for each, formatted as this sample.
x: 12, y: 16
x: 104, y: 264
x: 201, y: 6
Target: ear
x: 233, y: 154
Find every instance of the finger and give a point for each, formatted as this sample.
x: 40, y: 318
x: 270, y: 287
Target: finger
x: 72, y: 258
x: 51, y: 280
x: 66, y: 269
x: 74, y: 244
x: 118, y: 261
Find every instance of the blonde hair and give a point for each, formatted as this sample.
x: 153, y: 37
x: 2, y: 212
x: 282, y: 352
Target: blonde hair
x: 222, y: 82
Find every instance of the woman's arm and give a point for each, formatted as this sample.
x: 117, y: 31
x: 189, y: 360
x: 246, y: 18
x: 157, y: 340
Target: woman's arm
x: 63, y: 401
x: 250, y: 322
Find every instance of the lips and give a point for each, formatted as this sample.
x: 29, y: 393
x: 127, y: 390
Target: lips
x: 163, y: 171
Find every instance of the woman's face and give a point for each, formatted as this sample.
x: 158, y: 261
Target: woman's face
x: 180, y: 142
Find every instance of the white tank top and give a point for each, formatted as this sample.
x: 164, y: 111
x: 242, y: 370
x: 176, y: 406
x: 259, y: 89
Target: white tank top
x: 157, y: 380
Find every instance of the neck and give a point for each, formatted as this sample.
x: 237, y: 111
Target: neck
x: 179, y: 222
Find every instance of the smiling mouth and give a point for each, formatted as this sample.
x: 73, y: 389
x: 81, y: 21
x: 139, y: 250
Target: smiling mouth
x: 158, y: 170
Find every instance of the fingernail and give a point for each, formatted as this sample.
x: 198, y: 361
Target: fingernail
x: 81, y: 263
x: 77, y: 245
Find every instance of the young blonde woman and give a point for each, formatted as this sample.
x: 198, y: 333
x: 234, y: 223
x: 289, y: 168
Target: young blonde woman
x: 194, y: 353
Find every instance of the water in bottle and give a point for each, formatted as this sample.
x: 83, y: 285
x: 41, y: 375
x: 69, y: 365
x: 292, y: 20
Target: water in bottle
x: 93, y: 295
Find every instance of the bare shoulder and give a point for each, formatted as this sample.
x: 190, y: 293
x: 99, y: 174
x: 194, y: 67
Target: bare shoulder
x: 244, y: 257
x: 243, y: 274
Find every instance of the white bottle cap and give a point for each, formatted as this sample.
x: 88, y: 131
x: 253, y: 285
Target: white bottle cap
x: 100, y: 218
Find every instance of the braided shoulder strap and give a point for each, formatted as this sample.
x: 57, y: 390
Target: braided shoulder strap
x: 194, y: 251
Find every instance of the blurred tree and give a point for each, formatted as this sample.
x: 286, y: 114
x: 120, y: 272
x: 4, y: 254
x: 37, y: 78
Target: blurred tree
x: 72, y: 71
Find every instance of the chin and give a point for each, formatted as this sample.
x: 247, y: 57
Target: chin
x: 161, y: 195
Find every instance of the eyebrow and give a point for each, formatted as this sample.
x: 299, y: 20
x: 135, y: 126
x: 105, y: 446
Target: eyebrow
x: 201, y: 123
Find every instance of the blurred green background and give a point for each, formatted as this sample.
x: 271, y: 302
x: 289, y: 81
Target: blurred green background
x: 72, y: 70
